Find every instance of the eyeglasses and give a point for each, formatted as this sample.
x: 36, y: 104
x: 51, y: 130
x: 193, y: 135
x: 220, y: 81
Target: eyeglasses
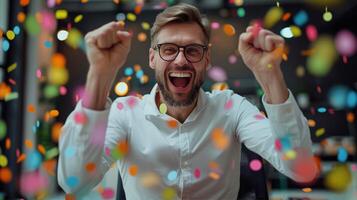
x: 169, y: 51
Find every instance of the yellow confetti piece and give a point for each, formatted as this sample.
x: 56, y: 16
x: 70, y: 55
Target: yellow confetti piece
x: 145, y: 25
x: 10, y: 34
x: 78, y: 18
x: 28, y: 143
x: 61, y: 14
x: 3, y: 161
x: 21, y: 158
x: 41, y: 149
x: 290, y: 154
x: 163, y: 108
x: 11, y: 68
x: 320, y: 132
x: 327, y: 16
x: 169, y: 194
x: 131, y: 17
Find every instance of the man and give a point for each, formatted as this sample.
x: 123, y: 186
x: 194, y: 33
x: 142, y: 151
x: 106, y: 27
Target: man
x: 193, y: 150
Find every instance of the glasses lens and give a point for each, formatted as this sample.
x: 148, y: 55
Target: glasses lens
x: 194, y: 53
x: 168, y: 51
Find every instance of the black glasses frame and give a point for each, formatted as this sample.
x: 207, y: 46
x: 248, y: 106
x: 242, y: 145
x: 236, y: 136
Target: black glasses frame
x: 204, y: 47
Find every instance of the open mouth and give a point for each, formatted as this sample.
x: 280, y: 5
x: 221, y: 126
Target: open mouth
x: 180, y: 80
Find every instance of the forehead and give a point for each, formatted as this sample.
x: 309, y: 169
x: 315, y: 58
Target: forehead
x: 181, y: 34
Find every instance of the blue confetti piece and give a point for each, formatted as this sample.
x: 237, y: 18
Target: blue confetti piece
x: 70, y: 152
x: 321, y: 110
x: 139, y: 74
x: 301, y: 18
x: 128, y: 71
x: 351, y: 99
x: 72, y: 181
x: 16, y: 30
x: 5, y: 45
x: 48, y: 44
x: 34, y: 160
x: 285, y: 144
x: 172, y: 176
x: 342, y: 154
x: 34, y: 129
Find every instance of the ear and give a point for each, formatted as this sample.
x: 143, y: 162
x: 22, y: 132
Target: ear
x: 151, y: 58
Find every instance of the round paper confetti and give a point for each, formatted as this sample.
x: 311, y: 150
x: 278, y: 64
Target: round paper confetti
x: 62, y: 35
x: 327, y: 16
x: 339, y: 178
x: 90, y: 167
x: 108, y: 193
x: 163, y: 108
x: 2, y: 129
x: 342, y: 154
x: 120, y: 105
x: 34, y: 160
x: 72, y: 181
x: 133, y: 170
x: 229, y: 30
x: 172, y: 176
x: 217, y: 74
x: 169, y: 194
x: 10, y: 35
x: 220, y: 139
x: 255, y: 165
x: 3, y: 161
x: 172, y: 123
x: 80, y: 118
x: 5, y: 45
x: 70, y: 152
x: 149, y: 179
x: 5, y: 175
x: 346, y: 43
x: 197, y: 173
x: 121, y: 89
x: 311, y: 32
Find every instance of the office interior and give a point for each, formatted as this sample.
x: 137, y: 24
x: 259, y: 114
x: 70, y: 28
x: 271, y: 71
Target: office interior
x: 43, y: 69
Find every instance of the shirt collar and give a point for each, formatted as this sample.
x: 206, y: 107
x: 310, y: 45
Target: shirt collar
x: 151, y: 109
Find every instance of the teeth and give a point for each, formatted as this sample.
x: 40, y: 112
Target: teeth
x: 180, y: 74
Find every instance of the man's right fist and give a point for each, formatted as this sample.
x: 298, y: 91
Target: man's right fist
x: 108, y: 48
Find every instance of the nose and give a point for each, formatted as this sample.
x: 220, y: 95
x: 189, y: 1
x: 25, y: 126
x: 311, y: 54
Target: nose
x: 180, y: 58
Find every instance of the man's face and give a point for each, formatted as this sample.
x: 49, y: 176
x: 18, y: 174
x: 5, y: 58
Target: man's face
x: 179, y: 80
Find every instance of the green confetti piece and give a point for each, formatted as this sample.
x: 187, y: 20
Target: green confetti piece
x: 163, y: 108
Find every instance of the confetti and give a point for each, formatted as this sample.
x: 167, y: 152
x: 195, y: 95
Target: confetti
x: 120, y: 105
x: 12, y: 67
x: 108, y: 193
x: 311, y: 33
x: 62, y: 35
x: 131, y: 17
x: 5, y: 175
x: 121, y: 89
x: 215, y: 25
x: 145, y: 25
x: 327, y: 16
x: 214, y: 175
x: 220, y: 139
x: 61, y: 14
x: 72, y: 181
x: 3, y: 161
x: 228, y: 105
x: 168, y: 194
x: 11, y: 96
x: 21, y: 158
x: 69, y: 152
x: 80, y: 118
x: 48, y: 44
x: 197, y: 173
x: 142, y: 37
x: 78, y: 18
x: 319, y: 132
x: 133, y: 170
x: 286, y: 32
x: 56, y: 131
x: 272, y: 16
x: 301, y: 18
x: 24, y: 2
x: 307, y: 190
x: 3, y: 128
x: 290, y: 154
x: 229, y: 30
x: 342, y: 154
x: 338, y: 178
x: 131, y: 101
x: 10, y: 35
x: 172, y: 123
x: 34, y: 160
x: 241, y: 12
x: 163, y: 108
x: 120, y: 17
x: 149, y: 180
x: 278, y: 145
x: 41, y: 149
x: 232, y: 59
x: 350, y: 117
x: 32, y: 183
x: 74, y: 38
x: 172, y: 176
x: 32, y: 26
x: 90, y: 167
x: 217, y: 74
x: 28, y: 143
x: 346, y: 43
x: 255, y: 165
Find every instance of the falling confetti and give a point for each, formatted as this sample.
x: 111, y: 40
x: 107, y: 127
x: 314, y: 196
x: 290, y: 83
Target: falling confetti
x: 163, y: 108
x: 255, y: 165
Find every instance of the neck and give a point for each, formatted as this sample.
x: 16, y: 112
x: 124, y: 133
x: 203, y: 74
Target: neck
x: 178, y: 112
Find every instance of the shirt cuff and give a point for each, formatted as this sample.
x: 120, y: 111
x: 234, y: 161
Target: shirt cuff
x: 280, y: 112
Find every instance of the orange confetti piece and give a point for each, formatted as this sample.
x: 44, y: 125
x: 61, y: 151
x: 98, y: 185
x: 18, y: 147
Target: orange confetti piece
x: 70, y: 197
x: 7, y: 143
x: 1, y: 33
x: 213, y: 165
x: 220, y: 139
x: 31, y: 108
x: 311, y: 123
x: 58, y: 60
x: 21, y: 158
x: 56, y: 131
x: 50, y: 166
x: 41, y: 149
x: 350, y: 117
x: 123, y: 147
x: 133, y: 170
x: 286, y: 16
x: 5, y: 175
x: 84, y: 1
x: 28, y: 143
x: 229, y: 29
x: 138, y: 9
x: 307, y: 190
x: 24, y: 2
x: 21, y: 16
x: 172, y: 123
x: 116, y: 1
x: 90, y: 167
x: 214, y: 175
x: 54, y: 113
x: 4, y: 90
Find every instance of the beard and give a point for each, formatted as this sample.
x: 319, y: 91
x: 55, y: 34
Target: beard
x: 168, y: 96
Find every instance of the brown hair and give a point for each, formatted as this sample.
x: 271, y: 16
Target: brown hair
x: 180, y: 13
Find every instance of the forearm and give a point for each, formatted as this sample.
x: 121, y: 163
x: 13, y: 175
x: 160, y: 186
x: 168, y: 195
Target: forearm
x: 273, y: 85
x: 97, y: 90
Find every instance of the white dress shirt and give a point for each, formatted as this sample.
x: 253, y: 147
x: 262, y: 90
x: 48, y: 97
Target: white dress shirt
x: 202, y: 163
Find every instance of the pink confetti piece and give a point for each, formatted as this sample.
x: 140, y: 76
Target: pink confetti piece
x: 278, y: 145
x: 197, y: 173
x: 131, y: 102
x: 255, y: 165
x: 80, y: 118
x: 259, y: 117
x: 228, y: 104
x: 120, y: 106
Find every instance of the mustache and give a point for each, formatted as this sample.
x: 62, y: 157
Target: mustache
x: 183, y: 68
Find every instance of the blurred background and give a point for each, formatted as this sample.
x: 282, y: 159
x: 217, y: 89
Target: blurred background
x: 43, y: 70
